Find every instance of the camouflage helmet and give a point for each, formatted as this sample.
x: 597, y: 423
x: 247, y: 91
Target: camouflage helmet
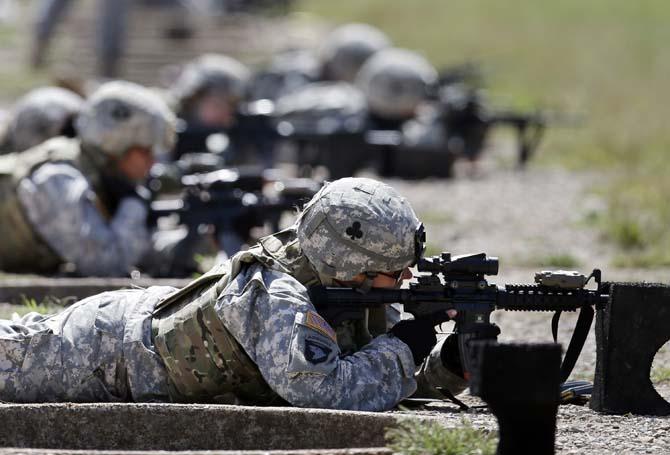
x: 211, y: 73
x: 356, y: 225
x: 120, y: 115
x: 41, y: 114
x: 395, y: 81
x: 347, y: 47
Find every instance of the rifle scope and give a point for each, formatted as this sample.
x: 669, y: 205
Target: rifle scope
x: 474, y: 264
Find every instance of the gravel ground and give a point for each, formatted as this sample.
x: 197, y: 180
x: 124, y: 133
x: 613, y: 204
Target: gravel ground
x: 579, y: 430
x: 529, y: 219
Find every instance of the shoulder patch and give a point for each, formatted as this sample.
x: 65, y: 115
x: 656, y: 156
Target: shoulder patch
x: 315, y: 321
x: 315, y: 351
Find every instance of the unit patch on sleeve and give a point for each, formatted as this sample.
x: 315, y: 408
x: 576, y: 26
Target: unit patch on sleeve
x: 316, y: 322
x: 316, y: 352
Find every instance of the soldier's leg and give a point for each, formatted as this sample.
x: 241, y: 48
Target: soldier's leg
x: 49, y: 13
x: 99, y: 349
x: 28, y: 344
x: 112, y: 25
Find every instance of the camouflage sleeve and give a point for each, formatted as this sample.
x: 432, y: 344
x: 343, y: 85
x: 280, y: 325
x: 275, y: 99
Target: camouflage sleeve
x: 269, y: 313
x: 433, y: 374
x: 60, y: 204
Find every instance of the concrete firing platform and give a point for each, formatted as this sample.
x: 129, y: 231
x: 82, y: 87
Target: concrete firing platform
x: 122, y: 427
x: 366, y: 451
x: 13, y: 288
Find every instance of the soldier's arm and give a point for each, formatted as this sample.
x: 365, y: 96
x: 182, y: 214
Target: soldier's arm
x: 61, y: 207
x: 298, y: 356
x: 433, y: 375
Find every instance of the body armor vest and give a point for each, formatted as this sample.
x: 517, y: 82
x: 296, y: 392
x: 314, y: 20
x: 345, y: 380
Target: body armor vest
x: 205, y: 363
x: 21, y: 248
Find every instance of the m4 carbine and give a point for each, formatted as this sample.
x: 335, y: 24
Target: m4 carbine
x: 230, y: 203
x: 460, y: 283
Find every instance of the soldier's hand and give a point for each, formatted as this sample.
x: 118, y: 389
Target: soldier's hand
x: 118, y: 188
x: 419, y: 335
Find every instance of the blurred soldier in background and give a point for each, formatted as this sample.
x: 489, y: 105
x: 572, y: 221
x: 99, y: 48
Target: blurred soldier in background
x: 111, y: 25
x: 346, y: 49
x: 395, y: 83
x: 73, y: 204
x: 207, y: 94
x: 331, y: 123
x: 39, y: 115
x: 339, y: 58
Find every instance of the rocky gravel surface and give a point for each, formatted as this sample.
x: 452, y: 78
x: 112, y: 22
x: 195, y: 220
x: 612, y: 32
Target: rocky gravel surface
x: 578, y: 430
x: 531, y: 220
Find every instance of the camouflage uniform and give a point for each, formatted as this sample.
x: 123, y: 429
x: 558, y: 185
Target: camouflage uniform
x: 64, y: 208
x: 244, y: 332
x: 58, y: 202
x: 99, y: 349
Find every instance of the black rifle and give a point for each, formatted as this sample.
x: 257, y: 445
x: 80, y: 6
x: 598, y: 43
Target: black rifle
x: 468, y: 120
x: 230, y: 203
x: 460, y: 283
x: 252, y: 136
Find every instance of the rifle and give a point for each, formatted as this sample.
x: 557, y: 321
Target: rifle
x: 465, y: 115
x: 460, y: 283
x: 252, y: 136
x: 230, y: 203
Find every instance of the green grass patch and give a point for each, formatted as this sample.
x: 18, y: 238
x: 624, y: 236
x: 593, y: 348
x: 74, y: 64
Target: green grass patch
x: 551, y: 261
x: 559, y: 260
x: 49, y: 305
x: 660, y: 375
x: 605, y: 60
x: 436, y: 217
x: 432, y: 250
x: 418, y: 438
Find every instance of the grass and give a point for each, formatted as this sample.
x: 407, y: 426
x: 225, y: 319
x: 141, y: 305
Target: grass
x: 433, y: 217
x: 660, y: 368
x: 606, y: 60
x: 418, y: 438
x: 49, y: 305
x: 660, y: 375
x: 557, y: 260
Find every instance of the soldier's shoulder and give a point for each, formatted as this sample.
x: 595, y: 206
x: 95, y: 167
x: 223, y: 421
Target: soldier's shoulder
x: 276, y: 282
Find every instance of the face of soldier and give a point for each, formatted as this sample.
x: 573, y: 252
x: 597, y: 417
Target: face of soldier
x: 386, y: 280
x: 136, y: 163
x: 215, y: 111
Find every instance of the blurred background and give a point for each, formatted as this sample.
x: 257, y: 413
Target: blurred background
x: 604, y: 63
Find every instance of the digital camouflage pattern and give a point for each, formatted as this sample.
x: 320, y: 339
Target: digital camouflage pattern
x: 99, y: 349
x: 244, y: 330
x: 346, y: 48
x: 395, y: 82
x: 266, y: 311
x: 41, y: 114
x: 356, y: 225
x: 63, y: 209
x: 432, y: 374
x: 120, y: 115
x: 52, y: 214
x: 50, y: 196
